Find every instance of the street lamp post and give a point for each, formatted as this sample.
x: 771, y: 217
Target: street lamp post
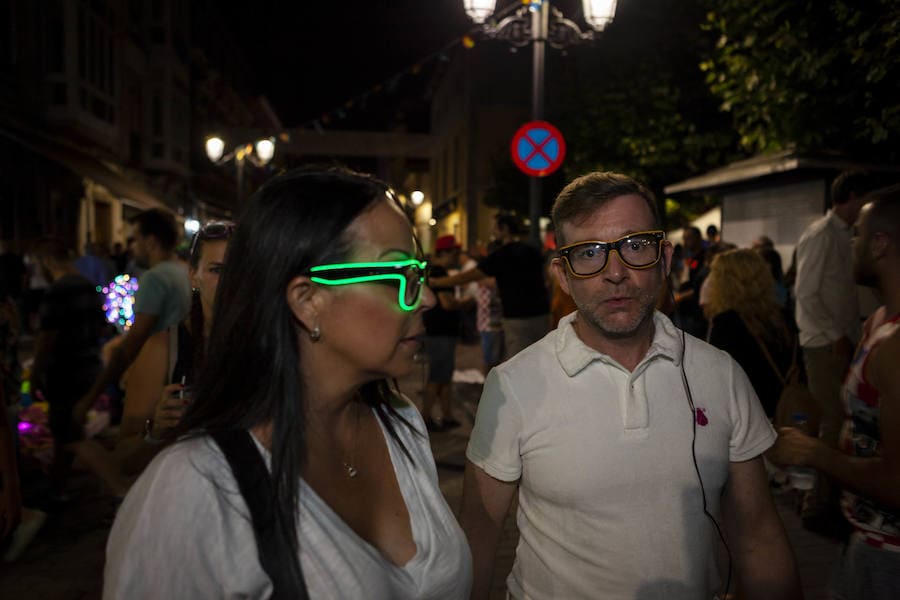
x: 544, y: 25
x: 258, y: 154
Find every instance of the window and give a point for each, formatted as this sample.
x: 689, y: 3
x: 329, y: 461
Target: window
x: 97, y: 59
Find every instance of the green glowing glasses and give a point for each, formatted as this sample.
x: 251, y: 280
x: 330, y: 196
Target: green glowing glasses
x: 410, y: 273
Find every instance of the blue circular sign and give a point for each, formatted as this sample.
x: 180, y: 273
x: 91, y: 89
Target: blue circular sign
x: 538, y: 148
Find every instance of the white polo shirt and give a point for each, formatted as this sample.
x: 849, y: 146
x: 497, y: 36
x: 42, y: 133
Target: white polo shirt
x: 827, y: 297
x: 609, y: 501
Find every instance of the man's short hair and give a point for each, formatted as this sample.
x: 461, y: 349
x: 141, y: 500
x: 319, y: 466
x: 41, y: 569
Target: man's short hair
x: 711, y: 230
x: 158, y: 224
x: 51, y: 248
x: 856, y: 182
x: 578, y: 200
x: 884, y: 211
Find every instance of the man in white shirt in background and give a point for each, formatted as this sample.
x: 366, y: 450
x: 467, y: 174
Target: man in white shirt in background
x: 828, y: 317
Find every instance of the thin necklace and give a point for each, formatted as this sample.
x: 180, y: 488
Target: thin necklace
x: 348, y: 464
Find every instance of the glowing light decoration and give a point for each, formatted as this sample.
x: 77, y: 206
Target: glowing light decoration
x: 118, y: 301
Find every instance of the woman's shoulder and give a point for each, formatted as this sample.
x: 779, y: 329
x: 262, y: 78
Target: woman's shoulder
x: 193, y: 463
x: 728, y: 318
x: 407, y: 411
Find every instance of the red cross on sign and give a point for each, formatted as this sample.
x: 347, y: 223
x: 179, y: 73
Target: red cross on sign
x: 538, y: 148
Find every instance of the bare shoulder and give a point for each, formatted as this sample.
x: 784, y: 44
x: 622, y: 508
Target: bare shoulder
x: 882, y: 368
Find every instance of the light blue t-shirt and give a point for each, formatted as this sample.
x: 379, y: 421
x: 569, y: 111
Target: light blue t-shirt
x: 164, y: 291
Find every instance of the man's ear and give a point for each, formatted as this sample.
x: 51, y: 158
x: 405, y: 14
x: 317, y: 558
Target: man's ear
x: 559, y: 271
x: 667, y: 252
x: 879, y: 245
x: 305, y: 301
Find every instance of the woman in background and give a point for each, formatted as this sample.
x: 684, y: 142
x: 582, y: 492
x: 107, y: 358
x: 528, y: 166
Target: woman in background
x: 155, y: 398
x: 747, y: 322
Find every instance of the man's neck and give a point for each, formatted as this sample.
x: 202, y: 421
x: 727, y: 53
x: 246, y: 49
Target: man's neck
x: 844, y: 213
x: 889, y: 290
x: 627, y: 351
x: 155, y: 259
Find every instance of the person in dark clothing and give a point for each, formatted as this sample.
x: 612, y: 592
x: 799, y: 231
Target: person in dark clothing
x: 442, y: 328
x: 745, y: 317
x: 689, y: 315
x: 519, y: 271
x: 66, y: 361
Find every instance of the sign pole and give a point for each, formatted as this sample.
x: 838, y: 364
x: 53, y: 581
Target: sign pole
x: 539, y: 22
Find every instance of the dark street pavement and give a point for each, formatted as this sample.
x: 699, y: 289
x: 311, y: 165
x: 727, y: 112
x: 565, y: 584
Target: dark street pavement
x: 65, y: 561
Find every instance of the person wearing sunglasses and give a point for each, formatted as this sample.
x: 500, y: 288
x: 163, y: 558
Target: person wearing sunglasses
x: 302, y: 471
x: 155, y: 391
x: 620, y: 465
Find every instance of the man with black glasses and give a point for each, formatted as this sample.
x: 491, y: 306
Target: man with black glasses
x: 623, y: 436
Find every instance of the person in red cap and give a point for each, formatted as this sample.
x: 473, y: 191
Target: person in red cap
x: 518, y: 269
x: 441, y: 334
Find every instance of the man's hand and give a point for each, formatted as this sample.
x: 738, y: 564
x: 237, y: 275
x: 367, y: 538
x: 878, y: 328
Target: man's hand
x: 169, y: 410
x: 793, y: 447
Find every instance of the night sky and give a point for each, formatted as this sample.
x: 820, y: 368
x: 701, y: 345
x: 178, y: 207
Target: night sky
x: 310, y: 57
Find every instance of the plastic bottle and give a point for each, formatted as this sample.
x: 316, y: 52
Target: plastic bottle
x: 801, y: 478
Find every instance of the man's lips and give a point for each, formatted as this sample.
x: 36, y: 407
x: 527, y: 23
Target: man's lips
x: 418, y: 338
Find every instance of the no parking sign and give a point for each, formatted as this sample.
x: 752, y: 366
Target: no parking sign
x: 538, y: 148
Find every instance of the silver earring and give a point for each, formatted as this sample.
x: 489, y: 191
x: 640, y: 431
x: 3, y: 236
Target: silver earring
x: 316, y: 334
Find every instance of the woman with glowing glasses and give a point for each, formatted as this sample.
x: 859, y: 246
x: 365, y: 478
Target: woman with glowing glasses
x: 318, y: 310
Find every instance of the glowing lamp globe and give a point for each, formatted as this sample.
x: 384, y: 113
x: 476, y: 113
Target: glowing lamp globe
x: 599, y: 13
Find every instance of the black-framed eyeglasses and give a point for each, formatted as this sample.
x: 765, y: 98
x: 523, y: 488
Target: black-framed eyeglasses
x: 640, y: 250
x: 213, y: 230
x: 410, y: 274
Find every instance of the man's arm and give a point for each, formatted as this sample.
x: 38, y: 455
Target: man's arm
x: 460, y: 278
x: 121, y: 358
x: 450, y: 302
x: 876, y: 477
x: 759, y: 546
x: 485, y: 502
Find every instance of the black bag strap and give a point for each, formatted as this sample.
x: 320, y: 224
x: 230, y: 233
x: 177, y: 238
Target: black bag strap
x: 255, y: 484
x: 791, y: 375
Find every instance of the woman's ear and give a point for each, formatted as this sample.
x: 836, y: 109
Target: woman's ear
x: 305, y: 301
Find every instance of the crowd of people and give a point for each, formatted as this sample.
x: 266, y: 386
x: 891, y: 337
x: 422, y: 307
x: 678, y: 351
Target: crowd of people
x: 631, y: 401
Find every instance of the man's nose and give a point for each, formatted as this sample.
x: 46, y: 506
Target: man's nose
x: 616, y: 270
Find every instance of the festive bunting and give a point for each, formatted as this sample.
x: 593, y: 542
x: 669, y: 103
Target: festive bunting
x: 391, y: 84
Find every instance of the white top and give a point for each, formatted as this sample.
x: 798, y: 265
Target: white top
x: 609, y: 501
x: 827, y: 298
x: 184, y: 532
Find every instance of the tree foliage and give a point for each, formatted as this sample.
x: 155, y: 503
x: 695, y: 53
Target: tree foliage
x: 636, y: 102
x: 816, y: 75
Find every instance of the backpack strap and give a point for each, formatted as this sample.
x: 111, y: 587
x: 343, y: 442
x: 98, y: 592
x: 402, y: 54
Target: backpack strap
x: 787, y: 377
x: 255, y: 484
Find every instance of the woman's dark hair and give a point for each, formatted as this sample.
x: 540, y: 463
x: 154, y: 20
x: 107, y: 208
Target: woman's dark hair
x: 251, y: 375
x: 211, y: 231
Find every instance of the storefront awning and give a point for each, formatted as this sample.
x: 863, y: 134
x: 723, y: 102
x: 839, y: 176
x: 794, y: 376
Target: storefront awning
x: 85, y: 165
